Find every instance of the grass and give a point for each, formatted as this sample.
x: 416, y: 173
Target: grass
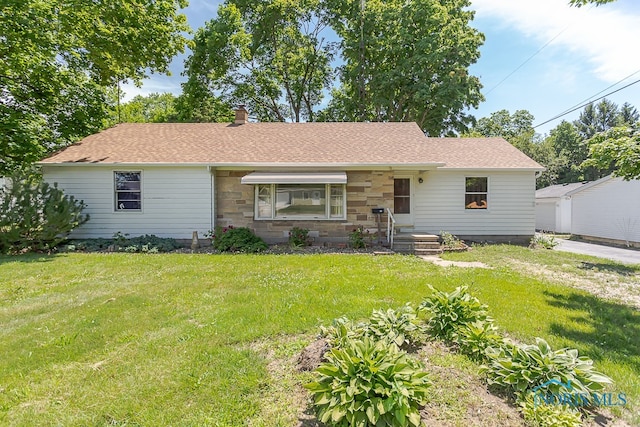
x: 179, y: 339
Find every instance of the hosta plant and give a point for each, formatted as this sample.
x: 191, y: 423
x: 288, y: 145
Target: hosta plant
x: 521, y: 368
x: 343, y: 330
x: 549, y: 415
x: 475, y: 338
x: 397, y: 326
x: 449, y: 312
x: 369, y: 383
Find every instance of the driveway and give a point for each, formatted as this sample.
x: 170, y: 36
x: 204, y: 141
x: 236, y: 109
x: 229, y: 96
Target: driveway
x: 627, y: 256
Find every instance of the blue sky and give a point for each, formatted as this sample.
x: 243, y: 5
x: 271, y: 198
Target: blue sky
x: 587, y: 50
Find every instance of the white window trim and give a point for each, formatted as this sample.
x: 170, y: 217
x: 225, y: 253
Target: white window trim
x: 327, y: 216
x: 465, y: 192
x: 115, y: 192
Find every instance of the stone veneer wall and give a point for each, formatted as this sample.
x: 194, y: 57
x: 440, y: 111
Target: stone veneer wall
x: 365, y: 190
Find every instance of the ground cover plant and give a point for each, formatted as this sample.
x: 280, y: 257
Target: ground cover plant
x: 190, y: 339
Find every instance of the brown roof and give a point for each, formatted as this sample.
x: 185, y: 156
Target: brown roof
x: 357, y: 144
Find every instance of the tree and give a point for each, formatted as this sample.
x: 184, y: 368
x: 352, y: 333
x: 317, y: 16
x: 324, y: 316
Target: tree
x: 579, y: 3
x: 597, y: 118
x: 58, y: 57
x: 570, y: 151
x: 406, y: 61
x: 152, y: 108
x: 269, y: 55
x: 617, y: 149
x: 516, y: 128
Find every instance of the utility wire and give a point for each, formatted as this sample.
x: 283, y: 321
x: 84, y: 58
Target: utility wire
x: 588, y: 100
x: 532, y: 56
x: 585, y: 104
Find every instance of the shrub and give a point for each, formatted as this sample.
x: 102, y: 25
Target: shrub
x: 475, y: 338
x: 549, y: 415
x: 358, y: 238
x: 519, y: 368
x: 299, y: 237
x: 343, y: 330
x: 449, y: 312
x: 241, y: 239
x: 449, y: 241
x: 369, y: 383
x: 151, y: 243
x: 543, y: 240
x: 35, y: 215
x: 396, y: 326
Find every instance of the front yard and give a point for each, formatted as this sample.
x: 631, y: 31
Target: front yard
x: 181, y: 339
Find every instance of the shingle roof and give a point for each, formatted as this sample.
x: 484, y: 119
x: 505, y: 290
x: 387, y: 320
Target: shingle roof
x: 558, y: 190
x: 310, y: 144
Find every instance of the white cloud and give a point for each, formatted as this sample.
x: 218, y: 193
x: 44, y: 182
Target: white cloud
x: 605, y: 36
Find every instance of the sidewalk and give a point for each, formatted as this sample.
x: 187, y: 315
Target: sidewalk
x: 627, y: 256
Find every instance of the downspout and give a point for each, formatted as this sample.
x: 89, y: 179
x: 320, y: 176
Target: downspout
x: 212, y: 219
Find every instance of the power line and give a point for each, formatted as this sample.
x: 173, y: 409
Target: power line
x: 585, y: 104
x: 588, y: 100
x: 532, y: 56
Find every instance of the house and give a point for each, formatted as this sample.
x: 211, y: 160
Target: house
x: 605, y: 210
x: 171, y: 179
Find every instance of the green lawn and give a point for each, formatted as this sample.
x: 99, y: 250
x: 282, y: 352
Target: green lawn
x: 135, y: 339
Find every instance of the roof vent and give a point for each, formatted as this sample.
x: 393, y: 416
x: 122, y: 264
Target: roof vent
x: 242, y: 115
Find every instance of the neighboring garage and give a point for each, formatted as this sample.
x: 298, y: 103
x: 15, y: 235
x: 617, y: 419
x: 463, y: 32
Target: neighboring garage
x: 604, y: 210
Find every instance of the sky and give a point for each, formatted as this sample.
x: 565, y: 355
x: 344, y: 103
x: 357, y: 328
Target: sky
x: 539, y: 55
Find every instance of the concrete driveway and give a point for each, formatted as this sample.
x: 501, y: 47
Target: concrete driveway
x: 627, y: 256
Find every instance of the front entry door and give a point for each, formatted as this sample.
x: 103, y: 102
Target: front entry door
x: 403, y: 200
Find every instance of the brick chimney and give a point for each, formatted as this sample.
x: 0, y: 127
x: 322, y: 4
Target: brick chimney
x: 242, y: 116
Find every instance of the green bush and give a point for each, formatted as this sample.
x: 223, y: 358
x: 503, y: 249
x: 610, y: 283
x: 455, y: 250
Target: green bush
x: 369, y: 383
x: 343, y: 330
x: 241, y: 239
x: 549, y: 415
x: 542, y: 240
x: 396, y: 326
x: 449, y: 241
x: 449, y: 312
x: 149, y: 243
x: 475, y: 338
x: 519, y: 368
x: 299, y: 237
x: 358, y: 238
x: 35, y: 215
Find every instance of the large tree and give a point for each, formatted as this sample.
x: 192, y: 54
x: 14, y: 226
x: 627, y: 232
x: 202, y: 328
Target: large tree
x: 617, y: 149
x: 269, y: 55
x: 58, y: 56
x: 406, y: 60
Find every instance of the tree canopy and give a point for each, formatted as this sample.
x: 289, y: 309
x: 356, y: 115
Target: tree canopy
x: 579, y: 3
x: 269, y: 55
x: 58, y: 58
x: 400, y: 61
x: 617, y: 149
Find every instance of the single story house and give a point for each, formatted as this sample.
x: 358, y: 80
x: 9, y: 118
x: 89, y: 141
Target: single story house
x: 604, y: 210
x: 171, y: 179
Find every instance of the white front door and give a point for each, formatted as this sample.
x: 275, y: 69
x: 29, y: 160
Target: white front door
x: 403, y: 200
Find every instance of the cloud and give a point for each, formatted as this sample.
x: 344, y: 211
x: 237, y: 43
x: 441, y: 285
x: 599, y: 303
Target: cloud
x: 606, y: 36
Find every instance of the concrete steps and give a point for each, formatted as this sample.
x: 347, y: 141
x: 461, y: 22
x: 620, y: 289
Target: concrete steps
x: 417, y: 244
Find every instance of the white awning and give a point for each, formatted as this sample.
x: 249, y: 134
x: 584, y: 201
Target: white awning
x: 295, y: 178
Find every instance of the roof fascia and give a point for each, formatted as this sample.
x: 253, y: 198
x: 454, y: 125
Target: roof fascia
x: 589, y: 185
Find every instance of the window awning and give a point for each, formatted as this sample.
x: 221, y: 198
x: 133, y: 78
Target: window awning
x: 295, y: 178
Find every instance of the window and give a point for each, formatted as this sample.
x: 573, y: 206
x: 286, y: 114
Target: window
x: 128, y: 191
x: 300, y: 201
x: 476, y: 192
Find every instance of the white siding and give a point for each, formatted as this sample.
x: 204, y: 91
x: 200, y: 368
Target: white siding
x: 608, y: 210
x: 175, y: 200
x: 546, y: 214
x: 439, y: 204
